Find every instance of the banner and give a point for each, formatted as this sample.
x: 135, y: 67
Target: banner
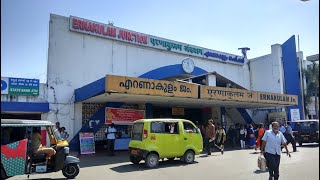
x: 130, y: 85
x: 122, y: 116
x: 295, y: 115
x: 233, y: 94
x: 273, y: 98
x: 227, y: 94
x: 93, y: 28
x: 13, y: 157
x: 20, y: 86
x: 87, y: 144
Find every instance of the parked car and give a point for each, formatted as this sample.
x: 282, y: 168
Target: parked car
x: 306, y: 131
x: 154, y: 139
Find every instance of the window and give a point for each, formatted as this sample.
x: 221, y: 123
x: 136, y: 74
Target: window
x: 137, y: 131
x: 165, y: 127
x: 189, y: 128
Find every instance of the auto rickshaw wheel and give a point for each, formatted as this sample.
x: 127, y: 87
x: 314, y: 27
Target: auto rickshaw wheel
x: 135, y: 160
x: 70, y: 171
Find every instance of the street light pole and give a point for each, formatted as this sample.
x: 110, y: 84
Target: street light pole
x: 301, y: 81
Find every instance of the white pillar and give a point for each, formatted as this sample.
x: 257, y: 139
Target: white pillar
x: 212, y: 80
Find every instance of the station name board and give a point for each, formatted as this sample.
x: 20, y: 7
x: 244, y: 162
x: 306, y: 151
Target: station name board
x: 232, y: 94
x: 111, y: 32
x: 141, y: 86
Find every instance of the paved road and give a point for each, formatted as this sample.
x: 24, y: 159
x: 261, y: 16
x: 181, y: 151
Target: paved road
x: 233, y: 165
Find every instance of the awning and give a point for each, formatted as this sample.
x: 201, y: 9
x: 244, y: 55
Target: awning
x: 24, y: 107
x: 167, y: 93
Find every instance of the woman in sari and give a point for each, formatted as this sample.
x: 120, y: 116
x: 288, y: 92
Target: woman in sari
x: 252, y: 140
x: 260, y: 135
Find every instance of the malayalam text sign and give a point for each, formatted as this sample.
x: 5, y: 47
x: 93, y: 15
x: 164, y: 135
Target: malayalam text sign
x: 233, y: 94
x: 85, y: 26
x: 141, y: 86
x: 227, y: 94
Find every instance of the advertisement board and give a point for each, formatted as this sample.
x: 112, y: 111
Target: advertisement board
x: 20, y: 86
x: 295, y: 114
x: 87, y: 144
x: 121, y: 116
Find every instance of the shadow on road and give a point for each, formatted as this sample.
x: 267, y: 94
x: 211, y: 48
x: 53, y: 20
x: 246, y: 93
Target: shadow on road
x: 259, y: 172
x: 102, y: 159
x: 256, y: 152
x: 313, y: 145
x: 205, y: 155
x: 49, y: 179
x: 141, y: 167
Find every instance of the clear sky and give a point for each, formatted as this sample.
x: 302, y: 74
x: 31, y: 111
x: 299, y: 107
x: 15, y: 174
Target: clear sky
x: 219, y: 25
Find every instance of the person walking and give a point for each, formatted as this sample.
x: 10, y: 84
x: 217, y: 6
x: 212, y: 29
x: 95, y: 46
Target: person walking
x: 221, y: 138
x: 243, y: 134
x: 111, y: 136
x: 288, y: 134
x: 270, y: 148
x: 282, y: 129
x: 252, y: 140
x: 210, y: 136
x: 261, y: 131
x: 232, y: 136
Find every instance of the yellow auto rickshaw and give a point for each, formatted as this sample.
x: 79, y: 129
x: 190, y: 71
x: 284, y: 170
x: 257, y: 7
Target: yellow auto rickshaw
x: 17, y: 157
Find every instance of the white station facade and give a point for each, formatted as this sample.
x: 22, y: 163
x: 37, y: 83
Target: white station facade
x: 94, y: 66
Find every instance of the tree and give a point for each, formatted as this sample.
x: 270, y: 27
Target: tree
x: 312, y: 78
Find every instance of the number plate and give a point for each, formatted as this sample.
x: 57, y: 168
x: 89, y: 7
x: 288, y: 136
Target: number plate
x: 134, y: 152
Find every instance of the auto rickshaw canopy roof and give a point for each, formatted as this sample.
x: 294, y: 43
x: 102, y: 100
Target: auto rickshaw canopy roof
x: 24, y: 123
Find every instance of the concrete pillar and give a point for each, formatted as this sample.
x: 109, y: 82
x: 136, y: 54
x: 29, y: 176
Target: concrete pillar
x: 149, y: 110
x: 212, y: 80
x: 277, y: 72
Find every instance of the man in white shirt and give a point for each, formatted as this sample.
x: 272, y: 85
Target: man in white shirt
x: 271, y: 149
x: 111, y: 136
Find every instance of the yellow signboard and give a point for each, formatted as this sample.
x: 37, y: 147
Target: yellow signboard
x: 232, y: 94
x: 227, y: 94
x: 273, y: 98
x: 178, y: 111
x: 130, y: 85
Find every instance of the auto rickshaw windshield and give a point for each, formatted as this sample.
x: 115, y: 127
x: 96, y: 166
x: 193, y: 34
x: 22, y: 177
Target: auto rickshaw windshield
x: 58, y: 135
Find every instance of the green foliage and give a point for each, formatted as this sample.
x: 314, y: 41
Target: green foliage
x: 312, y: 77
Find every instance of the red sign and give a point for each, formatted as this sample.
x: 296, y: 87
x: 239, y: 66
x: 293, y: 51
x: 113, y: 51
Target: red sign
x: 122, y: 116
x: 108, y: 31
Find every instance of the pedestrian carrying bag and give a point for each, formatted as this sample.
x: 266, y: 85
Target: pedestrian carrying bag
x: 262, y: 163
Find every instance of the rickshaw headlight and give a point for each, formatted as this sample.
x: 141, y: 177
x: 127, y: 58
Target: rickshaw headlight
x: 66, y: 150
